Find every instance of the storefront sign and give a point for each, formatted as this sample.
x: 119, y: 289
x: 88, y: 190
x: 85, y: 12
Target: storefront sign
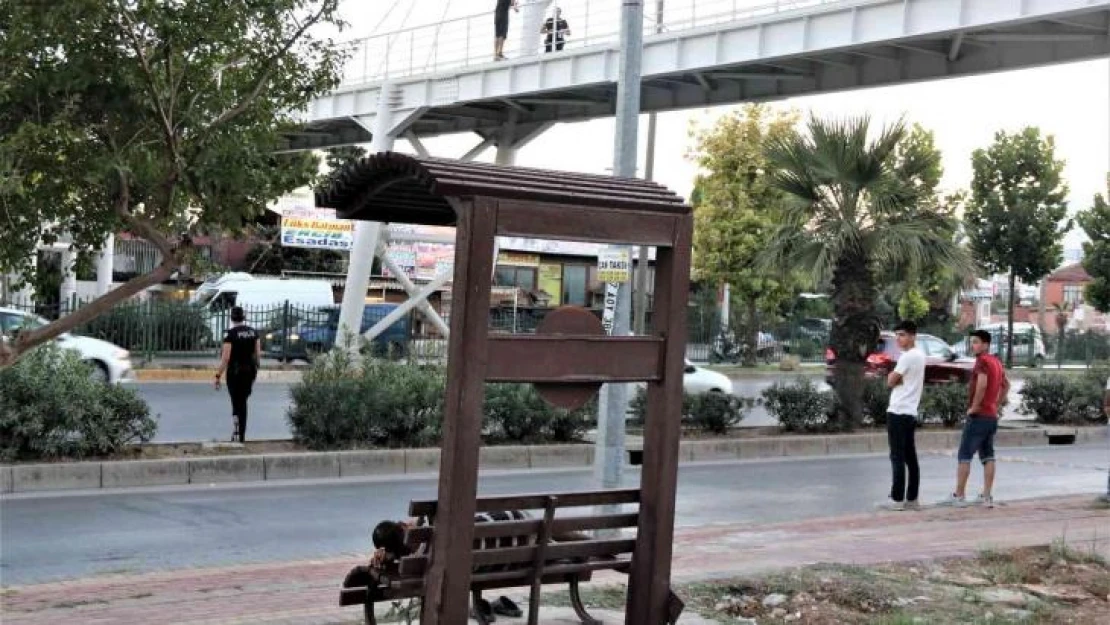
x: 614, y: 265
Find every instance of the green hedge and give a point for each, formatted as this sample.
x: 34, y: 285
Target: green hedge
x: 1066, y: 398
x: 51, y: 408
x: 715, y: 413
x: 800, y: 406
x: 342, y: 403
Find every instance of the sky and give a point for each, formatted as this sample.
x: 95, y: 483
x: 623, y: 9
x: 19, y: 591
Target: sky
x: 1070, y: 102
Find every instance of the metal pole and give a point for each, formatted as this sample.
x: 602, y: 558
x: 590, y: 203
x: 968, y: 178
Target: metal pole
x: 649, y: 174
x: 613, y: 403
x: 367, y: 234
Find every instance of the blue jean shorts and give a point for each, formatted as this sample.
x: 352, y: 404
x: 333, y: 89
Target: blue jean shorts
x: 978, y: 438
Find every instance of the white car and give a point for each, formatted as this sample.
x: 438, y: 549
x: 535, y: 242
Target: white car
x: 697, y: 380
x: 111, y: 363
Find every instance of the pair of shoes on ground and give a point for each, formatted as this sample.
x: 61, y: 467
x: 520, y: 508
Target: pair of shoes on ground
x: 954, y: 501
x: 503, y: 606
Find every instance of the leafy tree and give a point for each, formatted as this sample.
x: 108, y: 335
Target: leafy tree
x: 928, y: 289
x: 158, y: 118
x: 1016, y: 218
x: 1095, y: 221
x: 735, y: 209
x: 858, y: 209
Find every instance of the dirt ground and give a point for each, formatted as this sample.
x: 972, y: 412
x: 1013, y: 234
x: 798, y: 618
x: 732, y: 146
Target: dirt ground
x: 1049, y: 585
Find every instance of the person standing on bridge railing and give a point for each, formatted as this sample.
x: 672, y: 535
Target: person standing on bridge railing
x: 501, y: 27
x: 557, y: 31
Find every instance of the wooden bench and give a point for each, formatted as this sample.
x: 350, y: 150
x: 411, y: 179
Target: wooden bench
x: 542, y: 561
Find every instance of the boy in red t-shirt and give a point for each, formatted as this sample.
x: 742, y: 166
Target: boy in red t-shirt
x: 988, y: 391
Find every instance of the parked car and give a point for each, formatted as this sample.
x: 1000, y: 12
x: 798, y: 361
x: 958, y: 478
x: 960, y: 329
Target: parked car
x: 111, y: 363
x: 318, y: 335
x: 942, y: 364
x: 698, y: 380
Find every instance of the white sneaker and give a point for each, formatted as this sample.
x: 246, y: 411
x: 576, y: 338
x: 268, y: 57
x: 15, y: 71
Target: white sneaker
x: 893, y: 506
x: 952, y: 501
x: 914, y: 505
x: 986, y: 501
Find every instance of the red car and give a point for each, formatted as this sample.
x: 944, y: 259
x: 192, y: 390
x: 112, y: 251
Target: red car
x: 942, y: 365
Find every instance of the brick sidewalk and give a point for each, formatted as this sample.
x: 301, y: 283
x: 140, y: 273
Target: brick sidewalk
x: 305, y: 592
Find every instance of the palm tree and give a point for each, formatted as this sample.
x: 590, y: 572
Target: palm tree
x: 858, y: 213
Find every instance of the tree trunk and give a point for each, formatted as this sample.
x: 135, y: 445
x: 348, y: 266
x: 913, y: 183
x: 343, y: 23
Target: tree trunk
x: 855, y: 333
x: 751, y: 337
x: 1009, y: 338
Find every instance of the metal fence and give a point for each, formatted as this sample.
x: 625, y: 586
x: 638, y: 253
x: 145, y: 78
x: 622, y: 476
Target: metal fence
x: 167, y: 329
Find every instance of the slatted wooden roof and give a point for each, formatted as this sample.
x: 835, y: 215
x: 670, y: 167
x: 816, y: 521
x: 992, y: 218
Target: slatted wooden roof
x: 398, y: 188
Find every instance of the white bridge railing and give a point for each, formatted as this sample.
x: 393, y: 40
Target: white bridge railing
x: 468, y: 41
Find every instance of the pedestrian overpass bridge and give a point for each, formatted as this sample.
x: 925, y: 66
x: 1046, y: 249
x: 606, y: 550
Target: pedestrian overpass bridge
x: 441, y: 78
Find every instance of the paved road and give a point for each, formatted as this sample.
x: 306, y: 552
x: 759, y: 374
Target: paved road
x: 58, y: 536
x: 193, y: 411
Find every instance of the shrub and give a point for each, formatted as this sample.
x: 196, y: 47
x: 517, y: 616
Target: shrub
x: 945, y: 404
x: 342, y: 403
x: 710, y: 412
x: 51, y: 408
x: 1063, y: 398
x: 876, y: 401
x: 516, y: 413
x: 716, y: 413
x: 800, y: 406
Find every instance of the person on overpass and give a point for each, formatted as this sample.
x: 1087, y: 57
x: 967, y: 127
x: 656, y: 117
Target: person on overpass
x: 501, y: 27
x: 556, y: 30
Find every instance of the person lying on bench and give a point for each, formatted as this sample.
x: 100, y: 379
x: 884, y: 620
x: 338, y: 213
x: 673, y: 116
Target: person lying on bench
x: 389, y: 548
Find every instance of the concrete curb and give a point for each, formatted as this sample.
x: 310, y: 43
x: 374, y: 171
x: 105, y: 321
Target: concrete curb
x: 27, y: 478
x: 207, y: 373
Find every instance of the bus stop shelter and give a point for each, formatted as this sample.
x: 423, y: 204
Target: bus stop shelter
x: 483, y: 202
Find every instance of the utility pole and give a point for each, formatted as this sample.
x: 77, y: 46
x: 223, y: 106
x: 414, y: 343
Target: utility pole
x: 613, y: 403
x: 641, y: 291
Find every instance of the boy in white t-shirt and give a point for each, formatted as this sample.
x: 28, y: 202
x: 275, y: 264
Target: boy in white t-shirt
x: 906, y: 383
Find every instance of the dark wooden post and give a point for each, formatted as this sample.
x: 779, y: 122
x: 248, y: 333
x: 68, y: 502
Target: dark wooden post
x: 446, y: 595
x: 649, y: 581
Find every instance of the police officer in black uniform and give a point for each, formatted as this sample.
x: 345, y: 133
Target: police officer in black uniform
x: 240, y: 358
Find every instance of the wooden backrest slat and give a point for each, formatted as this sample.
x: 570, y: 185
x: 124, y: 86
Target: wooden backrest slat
x: 530, y: 527
x: 523, y: 557
x: 537, y: 501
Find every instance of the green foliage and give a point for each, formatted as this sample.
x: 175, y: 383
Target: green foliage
x: 1060, y: 398
x: 862, y: 207
x: 1095, y: 221
x: 341, y: 403
x: 715, y: 413
x: 912, y: 305
x: 876, y: 401
x: 154, y: 326
x: 164, y: 119
x: 51, y: 408
x: 945, y: 404
x: 515, y: 413
x: 1016, y: 218
x: 735, y: 209
x: 800, y: 406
